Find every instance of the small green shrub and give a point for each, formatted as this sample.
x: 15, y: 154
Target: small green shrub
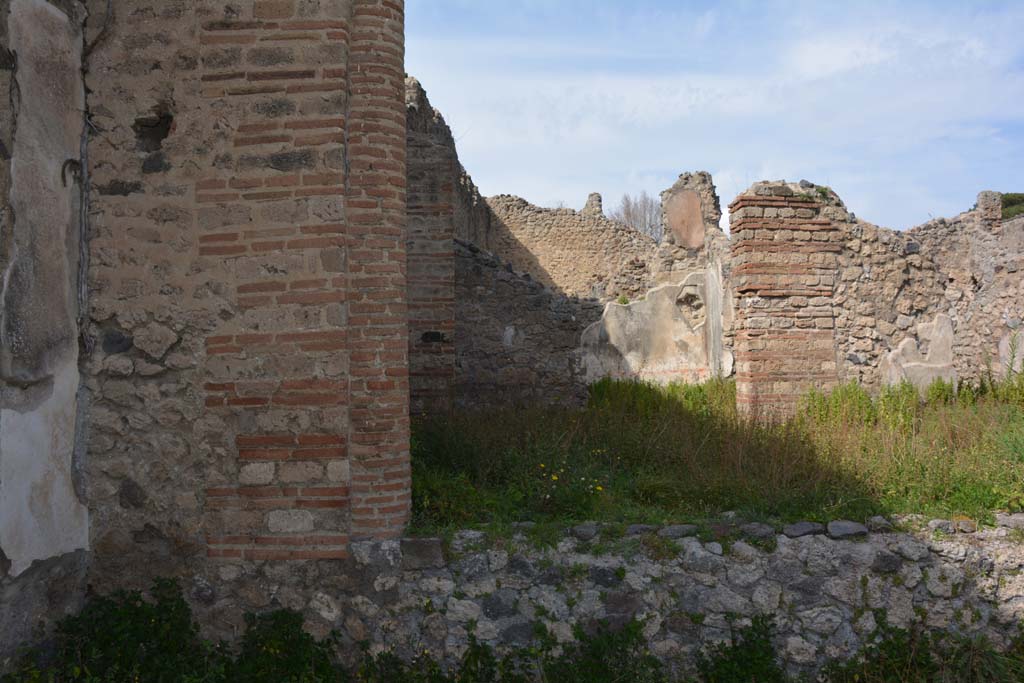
x: 622, y: 300
x: 1013, y: 205
x: 940, y: 392
x: 848, y: 403
x: 124, y: 637
x: 897, y: 407
x: 606, y: 656
x: 275, y: 649
x: 748, y: 656
x: 899, y: 656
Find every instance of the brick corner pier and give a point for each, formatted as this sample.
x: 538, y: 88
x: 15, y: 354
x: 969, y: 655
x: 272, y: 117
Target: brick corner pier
x: 784, y: 255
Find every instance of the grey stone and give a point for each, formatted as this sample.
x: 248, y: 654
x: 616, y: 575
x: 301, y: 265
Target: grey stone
x: 422, y: 553
x: 677, y: 530
x: 886, y: 562
x: 471, y: 567
x: 640, y: 529
x: 519, y: 633
x: 799, y: 529
x: 879, y: 524
x: 758, y: 531
x: 586, y: 531
x: 966, y: 526
x: 462, y: 610
x: 501, y: 603
x: 518, y: 564
x: 844, y: 529
x: 604, y: 576
x: 1010, y: 521
x: 155, y: 339
x: 942, y: 525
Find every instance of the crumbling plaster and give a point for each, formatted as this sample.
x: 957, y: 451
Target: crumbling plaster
x: 40, y: 513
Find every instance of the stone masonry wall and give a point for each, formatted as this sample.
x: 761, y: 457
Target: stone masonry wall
x: 443, y: 204
x: 980, y: 276
x: 826, y: 590
x: 784, y: 258
x: 517, y: 341
x: 579, y: 254
x: 248, y: 367
x: 432, y: 171
x: 43, y: 519
x: 941, y: 300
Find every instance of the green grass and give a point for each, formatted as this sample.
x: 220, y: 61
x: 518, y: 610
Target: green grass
x: 639, y: 453
x: 1013, y: 204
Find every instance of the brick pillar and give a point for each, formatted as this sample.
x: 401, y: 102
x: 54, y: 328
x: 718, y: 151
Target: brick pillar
x: 306, y: 208
x: 784, y: 260
x: 379, y: 390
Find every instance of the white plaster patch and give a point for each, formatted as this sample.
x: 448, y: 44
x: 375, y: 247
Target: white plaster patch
x: 40, y: 515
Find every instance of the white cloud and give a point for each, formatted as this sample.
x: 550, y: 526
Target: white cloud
x: 872, y: 101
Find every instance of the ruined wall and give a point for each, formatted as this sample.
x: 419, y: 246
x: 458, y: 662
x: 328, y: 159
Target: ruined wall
x: 580, y: 254
x: 248, y: 368
x: 936, y: 301
x: 517, y: 341
x: 432, y: 174
x: 980, y: 263
x: 43, y: 521
x: 824, y: 588
x: 443, y: 203
x: 785, y: 250
x: 939, y: 301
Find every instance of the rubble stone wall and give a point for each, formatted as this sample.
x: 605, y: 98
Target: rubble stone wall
x: 939, y: 301
x: 248, y: 368
x: 825, y: 590
x: 578, y: 254
x: 517, y: 341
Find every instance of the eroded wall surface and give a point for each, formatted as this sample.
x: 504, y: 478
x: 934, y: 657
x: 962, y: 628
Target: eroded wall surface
x: 517, y: 341
x: 940, y: 301
x: 826, y: 592
x: 248, y: 319
x: 442, y: 204
x: 43, y: 520
x: 577, y: 253
x: 785, y: 250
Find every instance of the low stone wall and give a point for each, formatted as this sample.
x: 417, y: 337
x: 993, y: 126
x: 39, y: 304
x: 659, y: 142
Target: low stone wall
x: 516, y: 341
x: 827, y: 589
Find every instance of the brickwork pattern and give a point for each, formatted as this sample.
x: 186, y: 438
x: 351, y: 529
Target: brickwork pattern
x: 432, y: 171
x: 249, y: 374
x: 784, y: 256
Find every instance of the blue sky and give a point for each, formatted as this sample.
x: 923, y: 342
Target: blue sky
x: 906, y: 109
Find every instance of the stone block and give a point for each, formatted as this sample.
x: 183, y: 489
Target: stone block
x: 422, y: 553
